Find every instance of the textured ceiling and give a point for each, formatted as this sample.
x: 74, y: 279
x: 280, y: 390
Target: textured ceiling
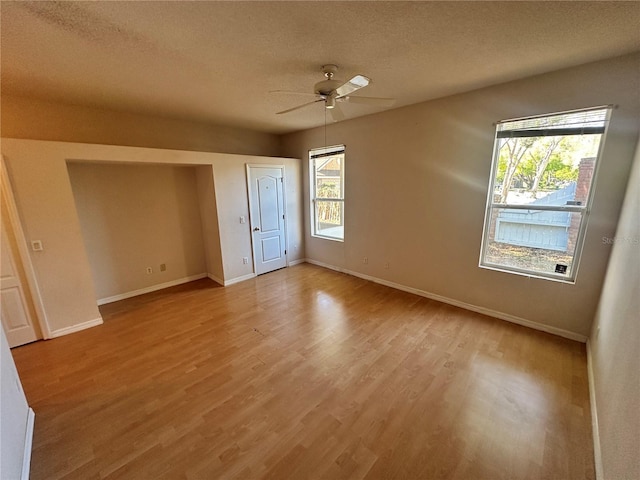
x: 218, y: 61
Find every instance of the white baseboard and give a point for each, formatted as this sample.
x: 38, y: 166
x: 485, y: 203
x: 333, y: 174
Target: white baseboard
x: 239, y: 279
x: 76, y: 328
x: 152, y: 288
x: 249, y: 276
x: 597, y: 452
x: 28, y: 443
x: 216, y: 279
x: 456, y: 303
x: 325, y: 265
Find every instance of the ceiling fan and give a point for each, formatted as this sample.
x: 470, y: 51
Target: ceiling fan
x: 332, y: 92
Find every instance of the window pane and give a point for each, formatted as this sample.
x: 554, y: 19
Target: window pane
x: 329, y: 219
x: 548, y: 170
x: 329, y: 177
x: 327, y: 192
x: 541, y: 164
x: 532, y: 240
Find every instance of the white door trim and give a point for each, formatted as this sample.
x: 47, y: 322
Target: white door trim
x: 249, y: 166
x: 23, y: 252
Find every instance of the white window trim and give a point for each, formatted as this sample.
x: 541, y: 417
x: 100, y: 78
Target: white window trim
x: 313, y: 155
x: 585, y: 209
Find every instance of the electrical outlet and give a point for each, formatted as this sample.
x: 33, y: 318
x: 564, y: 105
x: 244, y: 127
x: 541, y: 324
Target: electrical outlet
x: 163, y: 267
x: 245, y: 260
x: 386, y: 266
x: 36, y: 245
x: 149, y: 270
x: 365, y: 260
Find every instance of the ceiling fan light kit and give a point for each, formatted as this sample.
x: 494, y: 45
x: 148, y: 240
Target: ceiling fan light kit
x: 330, y: 102
x: 330, y: 91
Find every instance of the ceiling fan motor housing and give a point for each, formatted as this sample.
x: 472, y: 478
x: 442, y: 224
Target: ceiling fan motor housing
x: 327, y: 87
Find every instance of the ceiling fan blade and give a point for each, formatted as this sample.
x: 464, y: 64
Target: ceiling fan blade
x: 336, y: 113
x: 300, y: 106
x: 356, y: 83
x: 380, y: 102
x: 289, y: 92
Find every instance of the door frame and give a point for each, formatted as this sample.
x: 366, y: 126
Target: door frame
x: 23, y: 253
x: 249, y: 166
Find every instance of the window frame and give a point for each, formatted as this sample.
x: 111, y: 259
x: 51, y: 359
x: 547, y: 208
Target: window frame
x: 315, y: 154
x: 584, y: 209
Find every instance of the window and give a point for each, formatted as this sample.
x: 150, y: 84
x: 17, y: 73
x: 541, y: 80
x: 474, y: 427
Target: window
x: 540, y: 192
x: 326, y: 166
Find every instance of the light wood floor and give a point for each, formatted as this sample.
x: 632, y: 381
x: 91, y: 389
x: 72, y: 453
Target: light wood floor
x: 306, y: 373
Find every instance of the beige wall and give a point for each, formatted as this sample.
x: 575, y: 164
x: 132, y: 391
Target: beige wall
x: 44, y: 198
x: 233, y: 201
x: 138, y: 216
x: 416, y: 186
x: 615, y: 344
x: 47, y: 212
x: 209, y: 215
x: 30, y: 118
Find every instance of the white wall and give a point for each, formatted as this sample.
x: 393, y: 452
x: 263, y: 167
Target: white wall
x: 38, y: 172
x: 138, y: 216
x: 416, y: 186
x: 614, y: 345
x: 15, y: 434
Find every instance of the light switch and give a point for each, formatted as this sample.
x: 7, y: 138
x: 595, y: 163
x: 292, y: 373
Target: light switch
x: 36, y: 245
x: 243, y: 219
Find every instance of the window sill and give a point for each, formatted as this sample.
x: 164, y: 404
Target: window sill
x: 524, y: 273
x: 333, y: 239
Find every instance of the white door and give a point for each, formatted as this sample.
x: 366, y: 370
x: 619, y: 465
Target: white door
x: 17, y: 317
x: 266, y: 203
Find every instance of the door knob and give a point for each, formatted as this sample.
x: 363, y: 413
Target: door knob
x: 256, y: 229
